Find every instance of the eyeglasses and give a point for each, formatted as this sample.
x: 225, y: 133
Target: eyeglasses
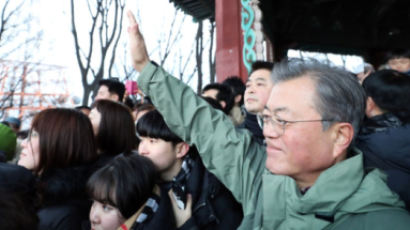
x: 279, y: 125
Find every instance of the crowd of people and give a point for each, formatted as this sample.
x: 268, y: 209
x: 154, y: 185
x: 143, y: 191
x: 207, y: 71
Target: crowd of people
x: 300, y: 145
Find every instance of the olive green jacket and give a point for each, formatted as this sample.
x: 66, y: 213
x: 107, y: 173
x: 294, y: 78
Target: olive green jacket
x: 343, y: 197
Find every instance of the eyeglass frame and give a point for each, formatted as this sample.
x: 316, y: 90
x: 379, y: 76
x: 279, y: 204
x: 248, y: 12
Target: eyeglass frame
x: 283, y: 123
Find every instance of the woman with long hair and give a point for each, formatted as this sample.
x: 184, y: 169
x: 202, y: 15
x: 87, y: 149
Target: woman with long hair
x: 59, y: 149
x: 113, y: 126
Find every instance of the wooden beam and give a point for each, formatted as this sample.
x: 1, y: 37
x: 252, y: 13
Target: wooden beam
x: 229, y: 40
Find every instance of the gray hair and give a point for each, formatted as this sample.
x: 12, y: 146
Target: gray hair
x: 339, y: 96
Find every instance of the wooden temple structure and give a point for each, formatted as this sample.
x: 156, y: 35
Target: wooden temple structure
x: 248, y: 30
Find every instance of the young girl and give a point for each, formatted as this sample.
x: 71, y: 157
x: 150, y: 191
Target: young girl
x: 120, y: 189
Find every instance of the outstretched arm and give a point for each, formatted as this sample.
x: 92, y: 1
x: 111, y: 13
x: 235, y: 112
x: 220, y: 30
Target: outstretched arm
x: 139, y: 54
x: 231, y: 155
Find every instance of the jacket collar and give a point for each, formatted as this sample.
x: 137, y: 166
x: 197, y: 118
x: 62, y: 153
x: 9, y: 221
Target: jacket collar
x: 251, y: 123
x: 62, y: 184
x: 342, y: 189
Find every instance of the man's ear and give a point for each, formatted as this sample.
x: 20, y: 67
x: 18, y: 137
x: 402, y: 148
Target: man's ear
x: 181, y: 149
x: 342, y: 134
x: 372, y: 109
x: 223, y: 104
x: 238, y: 98
x: 370, y: 106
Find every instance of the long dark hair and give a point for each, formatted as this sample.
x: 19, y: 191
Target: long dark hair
x: 116, y: 133
x: 66, y: 139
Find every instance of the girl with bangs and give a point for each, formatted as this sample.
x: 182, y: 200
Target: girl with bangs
x: 119, y: 191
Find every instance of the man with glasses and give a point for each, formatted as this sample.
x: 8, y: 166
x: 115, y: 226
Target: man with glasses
x: 308, y: 176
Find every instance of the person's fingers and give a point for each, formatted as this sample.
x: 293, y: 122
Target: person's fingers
x: 131, y: 18
x: 172, y: 198
x: 133, y: 28
x: 189, y: 201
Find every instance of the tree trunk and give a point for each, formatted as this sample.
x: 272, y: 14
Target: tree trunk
x: 212, y: 54
x: 103, y: 37
x: 198, y: 54
x: 86, y: 95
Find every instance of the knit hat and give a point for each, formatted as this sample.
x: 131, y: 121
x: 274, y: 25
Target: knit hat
x: 7, y: 143
x: 13, y: 120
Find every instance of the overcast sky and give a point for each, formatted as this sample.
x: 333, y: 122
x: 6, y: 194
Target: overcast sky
x: 155, y: 19
x: 58, y: 46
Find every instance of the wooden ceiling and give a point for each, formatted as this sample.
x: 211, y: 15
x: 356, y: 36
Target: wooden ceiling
x: 366, y: 28
x: 349, y: 26
x: 199, y: 9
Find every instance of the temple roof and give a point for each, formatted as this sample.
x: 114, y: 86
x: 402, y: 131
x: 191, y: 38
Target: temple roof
x: 367, y: 28
x: 199, y: 9
x: 349, y: 26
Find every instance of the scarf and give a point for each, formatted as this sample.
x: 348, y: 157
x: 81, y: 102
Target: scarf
x: 178, y: 183
x: 150, y: 207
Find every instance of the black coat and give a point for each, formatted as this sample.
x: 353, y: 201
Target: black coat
x: 214, y: 206
x: 64, y: 203
x: 251, y: 124
x: 385, y: 143
x: 163, y: 217
x: 19, y: 200
x: 15, y: 178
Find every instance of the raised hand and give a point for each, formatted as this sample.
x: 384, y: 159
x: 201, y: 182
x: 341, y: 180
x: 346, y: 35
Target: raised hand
x: 138, y: 49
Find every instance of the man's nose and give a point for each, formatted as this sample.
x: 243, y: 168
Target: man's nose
x: 250, y: 89
x: 142, y: 149
x: 24, y: 143
x: 269, y: 131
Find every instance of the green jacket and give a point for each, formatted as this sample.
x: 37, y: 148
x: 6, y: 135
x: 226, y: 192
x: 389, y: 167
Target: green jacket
x: 343, y: 197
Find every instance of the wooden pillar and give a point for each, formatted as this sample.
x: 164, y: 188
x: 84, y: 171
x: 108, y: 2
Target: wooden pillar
x: 229, y: 40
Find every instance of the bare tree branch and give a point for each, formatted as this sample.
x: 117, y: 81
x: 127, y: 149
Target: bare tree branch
x: 168, y: 40
x: 174, y: 35
x: 105, y: 37
x: 5, y: 17
x: 184, y: 65
x: 18, y: 40
x: 122, y: 5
